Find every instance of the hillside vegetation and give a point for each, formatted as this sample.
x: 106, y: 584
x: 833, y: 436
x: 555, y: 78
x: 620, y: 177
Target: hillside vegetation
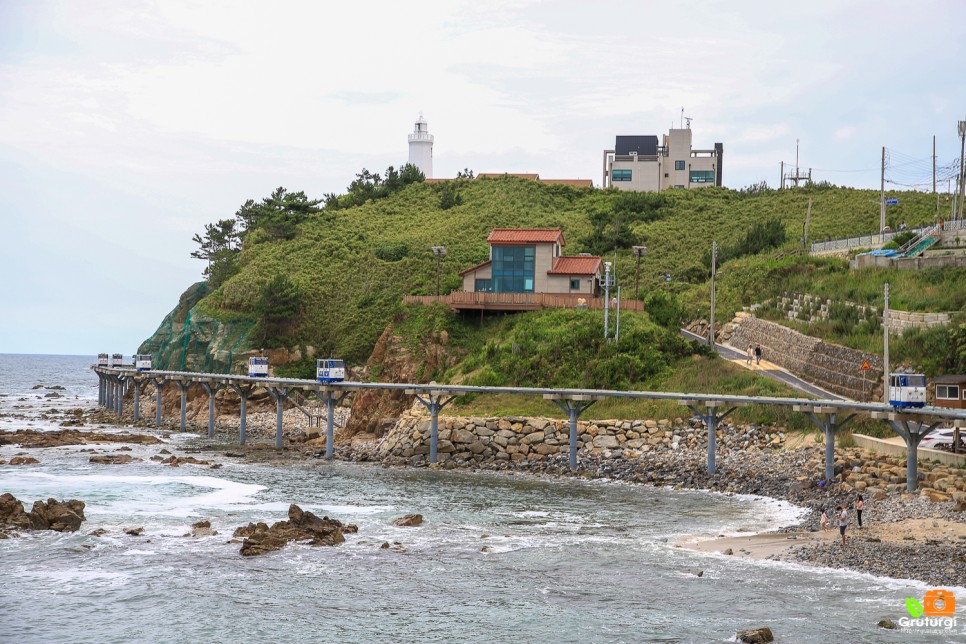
x: 343, y: 269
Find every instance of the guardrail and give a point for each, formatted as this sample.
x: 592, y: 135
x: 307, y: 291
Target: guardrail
x: 464, y: 299
x: 879, y: 239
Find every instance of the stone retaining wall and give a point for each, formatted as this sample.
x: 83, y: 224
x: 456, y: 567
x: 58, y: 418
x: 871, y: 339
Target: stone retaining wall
x: 808, y: 308
x: 475, y: 440
x: 830, y: 366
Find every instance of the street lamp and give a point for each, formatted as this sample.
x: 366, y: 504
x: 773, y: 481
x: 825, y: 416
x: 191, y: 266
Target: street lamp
x: 639, y: 252
x: 440, y: 253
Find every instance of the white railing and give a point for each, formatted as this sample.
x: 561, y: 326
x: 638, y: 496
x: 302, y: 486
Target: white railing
x: 859, y: 241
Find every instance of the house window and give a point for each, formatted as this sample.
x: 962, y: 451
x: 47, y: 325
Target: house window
x: 679, y: 186
x: 484, y: 286
x: 947, y: 392
x: 621, y: 175
x: 702, y: 176
x: 513, y: 269
x: 574, y: 284
x: 679, y: 165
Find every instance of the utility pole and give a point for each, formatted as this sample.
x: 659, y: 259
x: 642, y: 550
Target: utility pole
x: 962, y: 169
x: 882, y: 217
x: 714, y: 263
x: 440, y: 253
x: 639, y: 252
x: 808, y: 218
x: 885, y: 346
x: 781, y: 183
x: 617, y: 332
x: 606, y: 298
x: 934, y: 174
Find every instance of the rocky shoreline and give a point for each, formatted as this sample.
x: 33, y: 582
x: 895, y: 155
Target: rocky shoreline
x: 752, y: 460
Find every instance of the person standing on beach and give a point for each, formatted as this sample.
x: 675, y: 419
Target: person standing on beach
x: 824, y: 521
x: 859, y: 506
x: 843, y: 521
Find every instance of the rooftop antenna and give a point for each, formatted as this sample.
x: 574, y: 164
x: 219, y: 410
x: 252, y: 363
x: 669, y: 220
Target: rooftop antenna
x: 687, y: 121
x: 682, y: 117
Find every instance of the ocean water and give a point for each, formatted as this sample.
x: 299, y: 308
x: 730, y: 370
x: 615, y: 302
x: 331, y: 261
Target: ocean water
x: 498, y: 559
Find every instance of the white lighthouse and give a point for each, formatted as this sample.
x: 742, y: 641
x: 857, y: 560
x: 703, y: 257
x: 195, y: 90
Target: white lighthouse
x: 421, y: 147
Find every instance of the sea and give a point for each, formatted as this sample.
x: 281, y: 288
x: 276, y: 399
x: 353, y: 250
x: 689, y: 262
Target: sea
x: 499, y: 558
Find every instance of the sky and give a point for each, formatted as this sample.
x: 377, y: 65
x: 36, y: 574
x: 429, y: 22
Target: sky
x: 127, y: 125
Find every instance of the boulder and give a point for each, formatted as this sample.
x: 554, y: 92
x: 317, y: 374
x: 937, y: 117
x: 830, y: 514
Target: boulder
x: 409, y: 521
x: 111, y: 459
x: 23, y: 460
x: 301, y: 526
x: 12, y: 514
x: 60, y: 516
x: 755, y: 635
x: 202, y: 529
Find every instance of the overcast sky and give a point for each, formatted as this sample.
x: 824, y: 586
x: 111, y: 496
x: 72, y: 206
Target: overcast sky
x: 126, y: 126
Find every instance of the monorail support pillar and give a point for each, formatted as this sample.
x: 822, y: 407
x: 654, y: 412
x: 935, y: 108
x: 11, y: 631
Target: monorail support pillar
x: 244, y: 391
x: 573, y: 406
x: 434, y: 401
x: 212, y: 388
x: 183, y: 386
x: 331, y: 398
x: 912, y: 430
x: 279, y: 394
x: 712, y: 418
x: 137, y: 398
x: 158, y: 391
x: 101, y: 395
x: 118, y: 396
x: 826, y: 419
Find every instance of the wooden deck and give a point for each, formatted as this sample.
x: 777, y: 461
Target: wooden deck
x: 461, y: 301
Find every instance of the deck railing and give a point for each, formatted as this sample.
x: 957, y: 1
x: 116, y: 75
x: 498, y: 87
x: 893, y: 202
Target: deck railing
x: 463, y: 299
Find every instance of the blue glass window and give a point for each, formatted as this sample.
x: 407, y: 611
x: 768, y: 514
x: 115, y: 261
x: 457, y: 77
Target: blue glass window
x: 702, y: 176
x: 483, y: 286
x: 513, y: 269
x: 575, y: 285
x: 679, y: 165
x: 621, y: 175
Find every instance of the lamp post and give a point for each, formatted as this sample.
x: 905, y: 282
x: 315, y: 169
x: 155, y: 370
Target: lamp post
x: 607, y: 285
x: 440, y: 253
x: 714, y: 271
x: 639, y: 252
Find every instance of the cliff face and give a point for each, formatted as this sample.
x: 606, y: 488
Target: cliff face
x: 188, y: 340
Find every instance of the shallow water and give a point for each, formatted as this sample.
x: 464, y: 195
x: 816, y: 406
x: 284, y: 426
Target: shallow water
x: 567, y: 560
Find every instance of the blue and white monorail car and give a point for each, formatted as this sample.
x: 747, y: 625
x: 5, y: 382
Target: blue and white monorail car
x: 258, y: 367
x: 102, y: 359
x: 329, y: 370
x: 142, y: 362
x: 116, y: 360
x: 907, y: 390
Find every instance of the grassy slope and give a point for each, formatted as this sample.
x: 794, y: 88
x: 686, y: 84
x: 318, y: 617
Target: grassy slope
x: 350, y: 294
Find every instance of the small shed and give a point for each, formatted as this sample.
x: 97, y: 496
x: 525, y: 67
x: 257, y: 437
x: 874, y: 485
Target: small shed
x: 950, y: 391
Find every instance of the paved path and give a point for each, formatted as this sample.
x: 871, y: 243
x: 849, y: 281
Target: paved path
x: 766, y: 368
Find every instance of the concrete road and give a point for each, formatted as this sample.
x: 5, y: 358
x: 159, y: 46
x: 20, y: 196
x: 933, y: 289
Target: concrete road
x: 766, y: 368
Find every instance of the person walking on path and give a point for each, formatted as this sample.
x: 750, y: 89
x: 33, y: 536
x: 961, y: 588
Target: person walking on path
x: 757, y: 354
x: 859, y: 506
x: 843, y: 521
x: 751, y: 354
x: 824, y: 520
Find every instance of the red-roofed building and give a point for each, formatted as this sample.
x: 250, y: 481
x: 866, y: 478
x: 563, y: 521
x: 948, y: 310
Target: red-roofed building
x: 529, y: 260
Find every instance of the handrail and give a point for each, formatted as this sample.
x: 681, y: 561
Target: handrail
x: 915, y: 241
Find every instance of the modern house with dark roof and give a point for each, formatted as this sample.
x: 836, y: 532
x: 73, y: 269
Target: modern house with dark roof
x: 529, y: 260
x: 641, y: 164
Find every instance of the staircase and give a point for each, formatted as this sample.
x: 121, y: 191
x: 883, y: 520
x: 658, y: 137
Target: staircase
x: 311, y: 408
x: 918, y: 244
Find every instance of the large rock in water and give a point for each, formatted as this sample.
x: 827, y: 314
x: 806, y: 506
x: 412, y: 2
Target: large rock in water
x: 301, y: 526
x: 755, y: 635
x: 62, y: 516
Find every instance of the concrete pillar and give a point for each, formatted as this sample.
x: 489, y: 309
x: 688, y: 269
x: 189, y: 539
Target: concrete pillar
x: 183, y: 388
x: 119, y: 397
x: 137, y: 400
x: 244, y: 391
x: 329, y: 426
x: 711, y: 419
x: 573, y: 407
x: 826, y: 419
x: 100, y: 390
x: 158, y: 390
x: 279, y: 395
x: 212, y: 389
x: 912, y: 432
x: 434, y: 401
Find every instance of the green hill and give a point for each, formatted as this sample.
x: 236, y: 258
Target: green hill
x: 343, y: 271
